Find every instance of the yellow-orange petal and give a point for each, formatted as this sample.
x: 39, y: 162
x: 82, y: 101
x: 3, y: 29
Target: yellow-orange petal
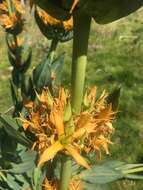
x: 50, y: 152
x: 3, y: 7
x: 92, y: 95
x: 57, y: 119
x: 18, y: 6
x: 78, y: 158
x: 73, y: 5
x: 89, y: 128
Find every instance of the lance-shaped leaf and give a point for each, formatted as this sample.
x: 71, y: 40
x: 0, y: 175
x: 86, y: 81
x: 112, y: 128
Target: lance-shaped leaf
x: 11, y: 127
x: 36, y: 178
x: 14, y: 93
x: 56, y: 69
x: 42, y: 75
x: 27, y: 88
x: 110, y: 171
x: 26, y: 62
x: 27, y: 164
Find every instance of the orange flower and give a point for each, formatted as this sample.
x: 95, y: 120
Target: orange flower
x: 75, y: 184
x: 15, y: 44
x: 50, y: 185
x: 18, y: 6
x: 45, y: 98
x: 57, y: 117
x: 89, y: 131
x: 49, y: 20
x: 11, y: 20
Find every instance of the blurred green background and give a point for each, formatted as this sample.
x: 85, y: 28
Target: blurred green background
x: 115, y: 58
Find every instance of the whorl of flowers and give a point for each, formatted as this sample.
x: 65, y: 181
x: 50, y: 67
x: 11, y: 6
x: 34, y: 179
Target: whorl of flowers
x: 74, y: 184
x: 51, y: 21
x: 11, y: 15
x: 53, y: 28
x: 57, y: 130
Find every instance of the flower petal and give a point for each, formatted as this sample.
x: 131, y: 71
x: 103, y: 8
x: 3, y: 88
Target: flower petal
x: 50, y: 152
x: 57, y: 118
x: 79, y: 159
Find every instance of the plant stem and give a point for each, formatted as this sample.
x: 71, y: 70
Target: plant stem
x: 65, y: 173
x: 79, y: 60
x: 80, y: 47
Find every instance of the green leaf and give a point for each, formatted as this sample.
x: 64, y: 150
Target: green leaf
x: 27, y: 88
x: 11, y: 127
x: 12, y: 183
x: 57, y: 67
x: 8, y: 148
x: 101, y: 174
x: 16, y: 77
x: 115, y: 164
x: 14, y: 93
x: 23, y: 180
x: 26, y: 62
x: 28, y: 156
x: 42, y: 75
x: 12, y: 58
x: 130, y: 166
x: 67, y: 112
x: 2, y: 176
x: 15, y: 182
x: 37, y: 178
x: 109, y: 172
x: 132, y: 176
x: 22, y: 168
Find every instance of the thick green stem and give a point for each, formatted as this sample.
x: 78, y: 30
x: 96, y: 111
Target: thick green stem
x: 79, y: 60
x: 80, y: 47
x: 65, y: 173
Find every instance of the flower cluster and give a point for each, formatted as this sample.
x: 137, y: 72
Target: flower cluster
x: 53, y: 28
x: 51, y: 21
x: 11, y: 16
x: 56, y: 129
x: 54, y: 185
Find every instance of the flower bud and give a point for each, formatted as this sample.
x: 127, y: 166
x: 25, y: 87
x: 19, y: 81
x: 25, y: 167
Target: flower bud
x: 53, y: 28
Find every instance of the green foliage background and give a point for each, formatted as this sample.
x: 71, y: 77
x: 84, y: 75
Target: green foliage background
x: 115, y: 58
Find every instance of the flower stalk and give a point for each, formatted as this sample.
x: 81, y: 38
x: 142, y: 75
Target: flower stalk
x: 79, y: 62
x: 65, y: 173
